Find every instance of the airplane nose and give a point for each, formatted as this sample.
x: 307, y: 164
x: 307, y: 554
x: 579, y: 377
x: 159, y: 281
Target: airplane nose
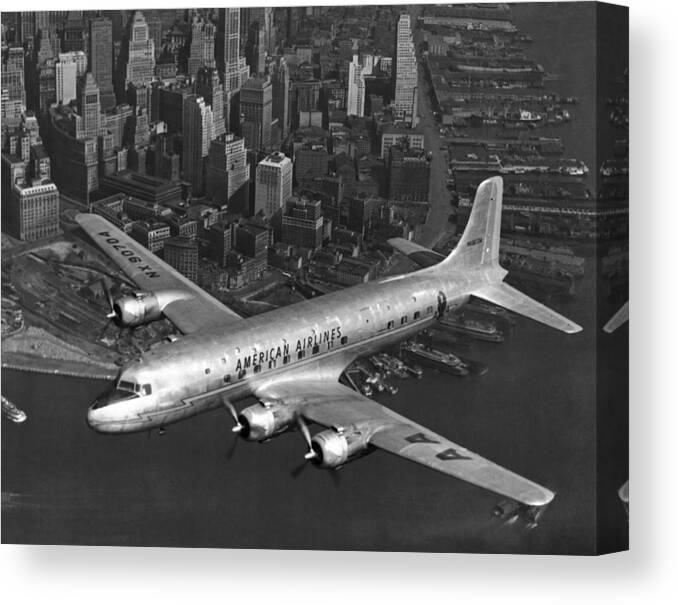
x: 92, y: 417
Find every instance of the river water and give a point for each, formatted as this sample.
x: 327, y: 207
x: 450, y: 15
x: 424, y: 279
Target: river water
x: 533, y: 412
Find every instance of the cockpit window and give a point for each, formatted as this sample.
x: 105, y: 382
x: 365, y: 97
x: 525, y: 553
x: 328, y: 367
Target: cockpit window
x: 113, y: 395
x: 124, y: 385
x: 146, y: 389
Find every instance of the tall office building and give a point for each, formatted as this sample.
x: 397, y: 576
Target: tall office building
x: 41, y: 74
x: 228, y: 55
x: 201, y: 51
x: 228, y: 171
x: 355, y: 104
x: 66, y: 77
x: 208, y: 86
x: 197, y: 128
x: 13, y: 74
x: 79, y: 57
x: 255, y: 49
x: 100, y: 47
x: 89, y: 108
x: 405, y: 71
x: 273, y: 184
x: 280, y: 80
x: 73, y: 32
x: 137, y: 58
x: 256, y: 108
x: 182, y: 254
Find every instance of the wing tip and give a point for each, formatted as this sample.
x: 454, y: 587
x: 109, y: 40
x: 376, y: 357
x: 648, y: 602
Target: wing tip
x: 539, y: 497
x: 573, y: 328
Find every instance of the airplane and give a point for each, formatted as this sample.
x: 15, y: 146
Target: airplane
x: 617, y: 320
x: 290, y: 359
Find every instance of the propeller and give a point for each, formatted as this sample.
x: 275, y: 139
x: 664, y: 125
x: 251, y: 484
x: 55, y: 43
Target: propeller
x: 303, y: 428
x: 109, y: 299
x: 237, y: 429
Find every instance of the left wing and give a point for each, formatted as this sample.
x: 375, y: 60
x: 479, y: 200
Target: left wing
x: 336, y: 406
x: 195, y: 311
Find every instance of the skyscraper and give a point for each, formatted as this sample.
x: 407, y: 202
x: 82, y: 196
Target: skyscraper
x: 137, y: 59
x: 73, y: 33
x: 89, y: 108
x: 405, y: 70
x: 197, y: 128
x: 208, y: 86
x: 255, y: 51
x: 13, y: 74
x: 280, y: 80
x: 66, y: 75
x: 201, y: 52
x: 273, y: 184
x: 100, y: 47
x: 256, y: 107
x: 227, y: 170
x: 355, y: 105
x: 229, y: 51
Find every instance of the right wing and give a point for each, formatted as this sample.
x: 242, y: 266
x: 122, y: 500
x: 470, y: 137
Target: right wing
x: 617, y: 319
x: 197, y: 311
x: 514, y: 300
x: 333, y: 405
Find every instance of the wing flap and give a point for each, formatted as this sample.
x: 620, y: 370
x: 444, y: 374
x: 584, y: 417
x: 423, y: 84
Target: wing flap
x: 150, y: 273
x: 514, y: 300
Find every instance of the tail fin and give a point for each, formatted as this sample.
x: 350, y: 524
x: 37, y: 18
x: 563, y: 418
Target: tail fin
x: 479, y: 244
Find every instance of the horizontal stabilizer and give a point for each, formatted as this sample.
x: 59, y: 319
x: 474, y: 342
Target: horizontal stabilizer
x: 514, y: 300
x: 424, y: 257
x: 617, y: 319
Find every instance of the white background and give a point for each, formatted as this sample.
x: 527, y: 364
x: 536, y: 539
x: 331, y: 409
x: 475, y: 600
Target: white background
x: 645, y: 574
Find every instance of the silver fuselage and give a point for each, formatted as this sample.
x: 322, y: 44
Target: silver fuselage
x: 311, y: 340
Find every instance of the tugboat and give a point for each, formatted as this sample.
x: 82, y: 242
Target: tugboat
x: 11, y: 411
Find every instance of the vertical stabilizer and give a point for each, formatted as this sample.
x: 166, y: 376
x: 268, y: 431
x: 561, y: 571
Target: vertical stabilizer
x: 479, y: 244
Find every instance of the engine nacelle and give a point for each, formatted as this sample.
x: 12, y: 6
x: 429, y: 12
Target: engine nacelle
x: 145, y: 307
x: 334, y: 448
x: 265, y: 420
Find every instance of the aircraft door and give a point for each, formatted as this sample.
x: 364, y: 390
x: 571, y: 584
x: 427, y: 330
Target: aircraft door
x: 442, y: 303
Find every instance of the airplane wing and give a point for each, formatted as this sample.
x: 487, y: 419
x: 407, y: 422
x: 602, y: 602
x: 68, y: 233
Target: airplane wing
x: 514, y: 300
x: 617, y: 319
x: 335, y: 406
x: 197, y: 311
x: 424, y: 257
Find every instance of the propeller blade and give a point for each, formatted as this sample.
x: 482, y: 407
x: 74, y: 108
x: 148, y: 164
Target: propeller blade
x: 297, y: 470
x: 103, y: 330
x: 232, y: 449
x: 109, y: 299
x: 231, y: 410
x: 303, y: 429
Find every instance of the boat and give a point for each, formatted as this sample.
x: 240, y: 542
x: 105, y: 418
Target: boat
x: 483, y: 330
x: 433, y: 358
x: 415, y: 369
x: 12, y: 412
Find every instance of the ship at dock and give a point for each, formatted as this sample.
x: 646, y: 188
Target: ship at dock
x: 433, y: 358
x: 476, y: 328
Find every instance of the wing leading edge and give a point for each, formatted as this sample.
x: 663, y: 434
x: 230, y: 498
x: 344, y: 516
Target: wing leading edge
x: 195, y: 312
x: 336, y: 406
